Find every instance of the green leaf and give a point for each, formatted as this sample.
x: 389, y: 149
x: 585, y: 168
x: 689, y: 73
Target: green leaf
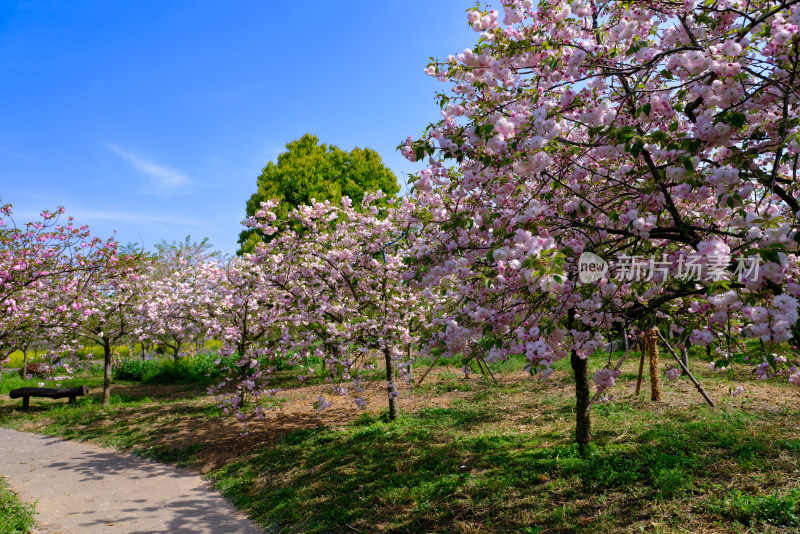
x: 488, y: 342
x: 691, y: 145
x: 738, y: 119
x: 484, y: 130
x: 647, y: 108
x: 772, y: 362
x: 637, y: 147
x: 626, y: 133
x: 673, y: 126
x: 770, y: 256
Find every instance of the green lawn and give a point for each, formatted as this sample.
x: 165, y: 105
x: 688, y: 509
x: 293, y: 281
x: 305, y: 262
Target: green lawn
x: 473, y: 456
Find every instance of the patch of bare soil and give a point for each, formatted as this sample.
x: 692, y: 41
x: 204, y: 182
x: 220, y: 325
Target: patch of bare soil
x: 226, y: 439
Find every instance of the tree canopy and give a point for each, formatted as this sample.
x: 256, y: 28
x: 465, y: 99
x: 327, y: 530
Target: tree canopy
x: 309, y: 170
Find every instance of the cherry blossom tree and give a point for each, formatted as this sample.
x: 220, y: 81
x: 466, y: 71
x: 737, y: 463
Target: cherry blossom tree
x: 39, y: 262
x: 106, y: 294
x: 179, y: 254
x: 248, y: 310
x: 176, y: 308
x: 661, y: 130
x: 346, y: 278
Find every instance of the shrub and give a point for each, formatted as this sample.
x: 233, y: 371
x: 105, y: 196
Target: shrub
x: 134, y: 369
x: 39, y: 370
x: 198, y: 368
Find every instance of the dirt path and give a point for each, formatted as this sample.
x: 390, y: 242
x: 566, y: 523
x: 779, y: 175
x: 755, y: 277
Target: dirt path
x: 87, y: 489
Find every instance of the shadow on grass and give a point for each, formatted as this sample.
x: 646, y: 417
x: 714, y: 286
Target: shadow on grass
x: 445, y: 467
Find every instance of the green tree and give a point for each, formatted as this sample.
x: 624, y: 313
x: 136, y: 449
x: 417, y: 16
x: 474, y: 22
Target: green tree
x: 323, y: 172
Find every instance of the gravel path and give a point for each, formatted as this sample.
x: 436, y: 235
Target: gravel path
x: 82, y: 488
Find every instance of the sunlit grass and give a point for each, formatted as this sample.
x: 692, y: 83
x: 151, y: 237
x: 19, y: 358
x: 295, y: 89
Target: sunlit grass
x: 16, y: 516
x: 490, y: 457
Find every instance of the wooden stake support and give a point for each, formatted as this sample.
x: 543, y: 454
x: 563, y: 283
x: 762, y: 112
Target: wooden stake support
x: 428, y: 370
x: 686, y: 370
x: 655, y: 377
x: 642, y: 344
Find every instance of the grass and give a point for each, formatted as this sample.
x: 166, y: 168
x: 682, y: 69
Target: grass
x: 774, y: 509
x: 15, y: 516
x: 476, y: 456
x: 454, y: 470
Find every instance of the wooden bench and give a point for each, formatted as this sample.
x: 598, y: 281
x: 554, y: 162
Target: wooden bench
x: 50, y: 393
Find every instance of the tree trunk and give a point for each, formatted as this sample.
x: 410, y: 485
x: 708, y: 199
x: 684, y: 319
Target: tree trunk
x: 625, y: 338
x: 390, y: 386
x: 583, y: 427
x: 177, y: 350
x: 685, y: 357
x: 106, y: 371
x: 25, y: 363
x: 655, y: 377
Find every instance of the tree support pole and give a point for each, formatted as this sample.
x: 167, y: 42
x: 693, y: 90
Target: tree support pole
x: 686, y: 370
x: 655, y: 378
x: 428, y: 370
x: 482, y: 364
x: 642, y: 344
x: 488, y: 368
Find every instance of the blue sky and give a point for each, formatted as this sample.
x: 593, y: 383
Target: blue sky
x: 154, y: 118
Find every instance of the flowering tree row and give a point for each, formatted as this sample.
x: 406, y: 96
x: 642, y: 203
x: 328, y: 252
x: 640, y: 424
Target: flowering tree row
x: 341, y: 269
x: 606, y: 130
x: 329, y: 284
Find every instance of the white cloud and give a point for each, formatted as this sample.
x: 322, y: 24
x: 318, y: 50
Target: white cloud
x: 165, y: 178
x: 82, y: 215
